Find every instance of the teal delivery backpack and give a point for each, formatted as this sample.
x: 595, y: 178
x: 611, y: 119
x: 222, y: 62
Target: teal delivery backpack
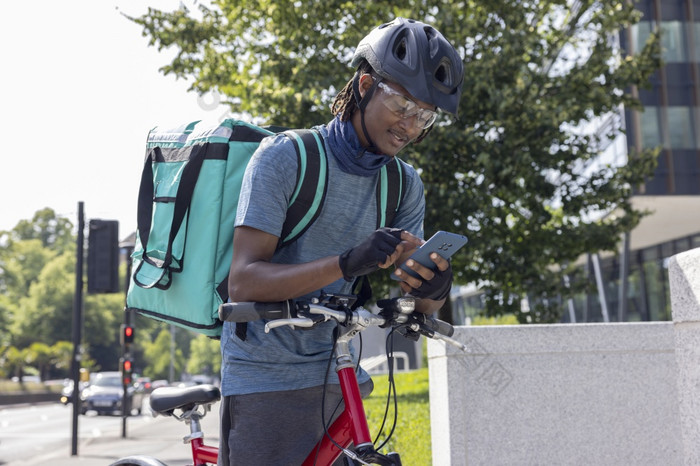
x: 187, y: 205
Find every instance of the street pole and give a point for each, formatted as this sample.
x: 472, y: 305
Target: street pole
x: 128, y: 322
x: 171, y: 371
x: 77, y: 328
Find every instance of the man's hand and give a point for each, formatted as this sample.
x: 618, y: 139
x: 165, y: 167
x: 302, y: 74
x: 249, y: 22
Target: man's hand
x: 380, y: 250
x: 433, y: 285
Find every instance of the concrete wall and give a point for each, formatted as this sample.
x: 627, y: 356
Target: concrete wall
x: 603, y: 394
x: 684, y: 277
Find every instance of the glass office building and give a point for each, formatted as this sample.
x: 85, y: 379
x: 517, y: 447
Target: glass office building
x: 671, y: 118
x: 636, y: 281
x: 634, y: 285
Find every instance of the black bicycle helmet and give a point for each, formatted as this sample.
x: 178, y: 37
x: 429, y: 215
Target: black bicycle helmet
x: 416, y: 56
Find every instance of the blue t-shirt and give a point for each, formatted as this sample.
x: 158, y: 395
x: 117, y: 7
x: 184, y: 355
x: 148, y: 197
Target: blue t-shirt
x: 285, y: 358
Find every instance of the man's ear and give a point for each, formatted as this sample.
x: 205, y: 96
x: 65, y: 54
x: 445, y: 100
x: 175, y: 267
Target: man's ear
x: 366, y: 82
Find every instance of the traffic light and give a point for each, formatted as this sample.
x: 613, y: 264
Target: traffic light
x: 126, y: 371
x: 127, y: 334
x: 103, y: 256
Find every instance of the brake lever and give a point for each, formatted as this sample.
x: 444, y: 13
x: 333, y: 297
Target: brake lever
x: 304, y: 322
x: 451, y: 341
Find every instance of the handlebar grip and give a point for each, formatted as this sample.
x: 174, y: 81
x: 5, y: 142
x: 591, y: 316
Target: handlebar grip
x: 250, y: 311
x: 439, y: 326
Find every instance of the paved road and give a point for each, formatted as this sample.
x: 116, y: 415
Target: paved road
x: 160, y: 437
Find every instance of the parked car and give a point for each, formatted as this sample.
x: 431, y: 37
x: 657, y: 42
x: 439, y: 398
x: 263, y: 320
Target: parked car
x: 143, y: 383
x: 67, y: 391
x: 159, y: 383
x: 105, y: 394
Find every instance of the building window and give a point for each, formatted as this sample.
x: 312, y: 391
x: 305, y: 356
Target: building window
x: 673, y: 39
x: 640, y: 34
x: 696, y: 37
x: 673, y: 42
x: 680, y: 128
x: 649, y: 127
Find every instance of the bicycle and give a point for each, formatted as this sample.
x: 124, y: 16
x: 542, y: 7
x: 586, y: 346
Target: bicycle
x: 349, y: 434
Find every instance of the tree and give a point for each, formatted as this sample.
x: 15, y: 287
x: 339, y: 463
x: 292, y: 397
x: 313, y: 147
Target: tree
x: 7, y: 310
x: 39, y: 355
x: 20, y: 264
x: 54, y: 232
x: 24, y: 252
x: 205, y: 356
x: 48, y: 307
x: 158, y: 358
x: 519, y: 172
x: 14, y: 361
x: 47, y: 314
x: 37, y: 288
x: 102, y: 317
x: 61, y: 357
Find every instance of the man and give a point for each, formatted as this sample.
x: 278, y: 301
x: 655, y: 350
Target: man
x: 273, y: 383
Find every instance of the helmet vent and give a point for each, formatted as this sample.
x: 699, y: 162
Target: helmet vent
x: 444, y: 74
x: 441, y: 74
x: 400, y: 50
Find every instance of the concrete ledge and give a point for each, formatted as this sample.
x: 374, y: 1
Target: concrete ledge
x: 601, y: 394
x: 684, y: 281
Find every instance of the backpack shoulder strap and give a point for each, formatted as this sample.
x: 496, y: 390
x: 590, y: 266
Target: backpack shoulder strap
x: 312, y: 184
x: 390, y: 190
x: 307, y: 199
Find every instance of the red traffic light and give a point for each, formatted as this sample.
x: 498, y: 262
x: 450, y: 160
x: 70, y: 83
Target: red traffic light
x: 127, y: 334
x: 126, y: 371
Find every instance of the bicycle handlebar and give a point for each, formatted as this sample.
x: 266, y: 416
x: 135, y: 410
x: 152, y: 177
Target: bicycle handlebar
x: 395, y: 312
x: 251, y: 311
x: 435, y: 325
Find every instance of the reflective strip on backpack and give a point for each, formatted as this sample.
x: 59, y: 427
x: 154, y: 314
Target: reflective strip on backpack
x: 319, y: 189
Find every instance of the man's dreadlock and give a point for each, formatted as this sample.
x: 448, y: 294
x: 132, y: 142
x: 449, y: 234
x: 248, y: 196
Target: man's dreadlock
x: 344, y: 103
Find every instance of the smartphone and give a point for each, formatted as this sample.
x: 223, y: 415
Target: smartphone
x: 442, y: 242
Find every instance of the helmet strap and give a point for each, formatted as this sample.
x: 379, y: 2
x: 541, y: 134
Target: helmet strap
x: 362, y: 102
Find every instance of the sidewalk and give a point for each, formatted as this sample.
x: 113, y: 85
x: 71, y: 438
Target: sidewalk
x: 160, y: 438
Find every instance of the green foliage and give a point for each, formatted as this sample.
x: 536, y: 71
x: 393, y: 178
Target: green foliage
x: 519, y: 172
x: 505, y: 319
x: 411, y: 439
x: 47, y: 308
x: 158, y: 357
x: 54, y: 232
x: 37, y: 284
x: 205, y: 356
x: 14, y: 360
x: 102, y: 317
x: 39, y: 358
x: 22, y: 261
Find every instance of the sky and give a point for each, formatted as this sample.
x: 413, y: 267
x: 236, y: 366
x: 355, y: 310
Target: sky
x: 79, y: 90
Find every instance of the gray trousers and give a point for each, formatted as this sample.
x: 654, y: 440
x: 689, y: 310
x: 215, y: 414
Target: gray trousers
x: 277, y: 428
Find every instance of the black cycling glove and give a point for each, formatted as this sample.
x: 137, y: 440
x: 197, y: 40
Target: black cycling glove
x: 438, y: 288
x: 366, y: 256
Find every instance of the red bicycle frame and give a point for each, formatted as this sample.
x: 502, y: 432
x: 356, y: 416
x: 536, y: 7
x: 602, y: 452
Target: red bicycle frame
x: 350, y: 427
x: 203, y: 454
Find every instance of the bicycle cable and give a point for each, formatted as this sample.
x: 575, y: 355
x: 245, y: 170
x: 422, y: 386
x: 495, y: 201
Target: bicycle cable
x: 323, y: 399
x: 391, y: 391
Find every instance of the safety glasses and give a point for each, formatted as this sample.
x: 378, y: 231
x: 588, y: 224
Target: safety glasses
x: 407, y: 108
